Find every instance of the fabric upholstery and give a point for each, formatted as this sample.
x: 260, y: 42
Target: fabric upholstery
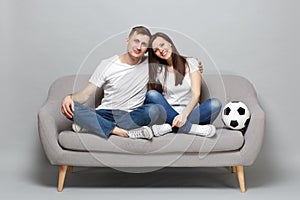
x: 225, y: 140
x: 53, y: 131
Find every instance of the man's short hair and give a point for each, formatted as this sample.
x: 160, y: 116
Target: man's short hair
x: 140, y: 30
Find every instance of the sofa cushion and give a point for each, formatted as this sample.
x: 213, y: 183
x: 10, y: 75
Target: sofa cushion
x: 224, y: 140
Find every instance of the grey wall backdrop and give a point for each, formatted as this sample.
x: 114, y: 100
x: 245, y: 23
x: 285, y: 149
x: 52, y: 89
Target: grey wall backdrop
x: 41, y: 40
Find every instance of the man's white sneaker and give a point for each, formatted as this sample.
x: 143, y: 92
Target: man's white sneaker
x: 143, y: 132
x: 161, y: 129
x: 203, y: 130
x: 76, y: 128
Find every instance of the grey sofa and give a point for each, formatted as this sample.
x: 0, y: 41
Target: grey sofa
x: 228, y: 148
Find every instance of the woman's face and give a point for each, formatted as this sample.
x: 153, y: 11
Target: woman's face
x: 162, y: 48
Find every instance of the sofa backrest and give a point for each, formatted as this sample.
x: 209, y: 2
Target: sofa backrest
x: 224, y: 87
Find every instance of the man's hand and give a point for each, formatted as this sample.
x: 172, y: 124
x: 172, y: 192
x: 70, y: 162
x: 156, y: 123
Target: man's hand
x: 200, y: 66
x: 67, y: 106
x: 179, y: 121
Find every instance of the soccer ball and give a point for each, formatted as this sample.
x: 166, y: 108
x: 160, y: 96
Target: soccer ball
x: 236, y: 115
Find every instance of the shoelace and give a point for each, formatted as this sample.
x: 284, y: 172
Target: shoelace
x: 137, y: 133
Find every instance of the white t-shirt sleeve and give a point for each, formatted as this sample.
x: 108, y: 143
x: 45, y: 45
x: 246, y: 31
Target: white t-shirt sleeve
x: 98, y: 77
x: 193, y: 65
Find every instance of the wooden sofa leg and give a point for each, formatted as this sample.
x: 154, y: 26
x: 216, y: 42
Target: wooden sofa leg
x: 241, y: 177
x: 61, y: 177
x: 233, y: 169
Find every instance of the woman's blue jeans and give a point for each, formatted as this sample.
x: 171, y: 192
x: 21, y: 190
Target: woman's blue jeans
x: 205, y: 113
x: 102, y: 121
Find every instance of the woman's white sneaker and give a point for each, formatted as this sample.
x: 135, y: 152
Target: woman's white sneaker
x: 143, y: 132
x: 161, y: 129
x: 203, y: 130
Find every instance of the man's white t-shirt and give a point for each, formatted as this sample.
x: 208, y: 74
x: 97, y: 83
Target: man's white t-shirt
x: 124, y: 85
x: 178, y: 96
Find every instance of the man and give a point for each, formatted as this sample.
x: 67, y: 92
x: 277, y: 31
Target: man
x: 124, y: 80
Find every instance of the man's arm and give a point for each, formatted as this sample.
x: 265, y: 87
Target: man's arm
x: 67, y: 105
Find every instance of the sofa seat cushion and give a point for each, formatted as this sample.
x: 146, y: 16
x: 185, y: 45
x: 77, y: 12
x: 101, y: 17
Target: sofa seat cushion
x: 224, y: 140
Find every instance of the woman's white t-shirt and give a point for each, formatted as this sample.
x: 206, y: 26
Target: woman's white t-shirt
x: 178, y: 96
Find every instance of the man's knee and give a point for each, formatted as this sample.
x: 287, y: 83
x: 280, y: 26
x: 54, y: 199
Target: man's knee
x: 77, y: 105
x: 80, y: 109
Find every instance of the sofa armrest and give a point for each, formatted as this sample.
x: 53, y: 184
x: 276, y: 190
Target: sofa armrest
x: 48, y: 132
x: 254, y: 134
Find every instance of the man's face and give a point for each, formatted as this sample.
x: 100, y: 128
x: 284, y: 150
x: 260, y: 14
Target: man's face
x: 137, y: 45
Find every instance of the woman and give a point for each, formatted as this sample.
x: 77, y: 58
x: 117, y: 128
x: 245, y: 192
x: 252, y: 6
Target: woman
x: 175, y: 83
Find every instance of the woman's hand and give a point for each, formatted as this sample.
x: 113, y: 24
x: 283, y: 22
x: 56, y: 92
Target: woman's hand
x: 179, y: 120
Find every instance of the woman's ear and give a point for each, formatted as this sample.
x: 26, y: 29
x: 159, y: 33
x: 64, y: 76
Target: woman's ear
x: 126, y: 41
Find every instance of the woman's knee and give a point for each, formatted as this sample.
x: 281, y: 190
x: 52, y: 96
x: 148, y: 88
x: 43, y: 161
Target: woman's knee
x: 215, y: 104
x: 157, y: 113
x: 152, y: 96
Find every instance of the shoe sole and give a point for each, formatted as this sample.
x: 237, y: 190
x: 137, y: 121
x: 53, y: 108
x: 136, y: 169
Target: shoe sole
x: 149, y: 131
x: 211, y: 134
x: 213, y: 131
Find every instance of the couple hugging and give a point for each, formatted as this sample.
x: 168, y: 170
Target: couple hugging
x: 144, y: 96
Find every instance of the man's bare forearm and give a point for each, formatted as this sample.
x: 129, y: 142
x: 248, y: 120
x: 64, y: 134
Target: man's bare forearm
x: 83, y: 95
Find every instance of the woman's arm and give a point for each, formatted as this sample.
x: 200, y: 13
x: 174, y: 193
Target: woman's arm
x: 196, y: 80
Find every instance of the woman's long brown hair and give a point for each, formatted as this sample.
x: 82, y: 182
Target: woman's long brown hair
x: 156, y: 64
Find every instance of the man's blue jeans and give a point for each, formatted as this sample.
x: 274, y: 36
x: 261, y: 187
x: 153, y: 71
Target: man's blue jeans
x: 102, y: 121
x: 205, y: 113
